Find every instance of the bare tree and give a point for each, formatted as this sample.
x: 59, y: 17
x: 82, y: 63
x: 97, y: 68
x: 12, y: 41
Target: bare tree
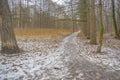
x: 114, y: 19
x: 92, y: 23
x: 88, y: 19
x: 8, y: 40
x: 83, y: 15
x: 102, y: 27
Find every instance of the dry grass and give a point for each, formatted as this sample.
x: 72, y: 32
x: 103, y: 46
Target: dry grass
x: 41, y: 32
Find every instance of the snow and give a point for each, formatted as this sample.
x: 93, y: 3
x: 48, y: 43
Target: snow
x: 40, y: 61
x: 55, y: 60
x: 110, y: 57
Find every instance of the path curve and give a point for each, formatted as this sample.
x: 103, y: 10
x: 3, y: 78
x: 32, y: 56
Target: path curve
x: 65, y: 63
x: 79, y: 67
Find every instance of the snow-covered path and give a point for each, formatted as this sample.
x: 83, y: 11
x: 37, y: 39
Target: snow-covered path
x: 65, y: 63
x: 82, y: 69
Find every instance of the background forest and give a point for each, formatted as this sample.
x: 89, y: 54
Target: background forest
x: 61, y: 14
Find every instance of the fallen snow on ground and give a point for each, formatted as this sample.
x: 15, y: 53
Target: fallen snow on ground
x: 52, y: 60
x: 40, y: 61
x: 110, y: 56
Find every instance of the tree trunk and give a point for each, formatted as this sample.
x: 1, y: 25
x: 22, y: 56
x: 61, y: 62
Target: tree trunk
x: 88, y: 19
x: 8, y: 40
x: 73, y: 25
x: 114, y: 19
x: 83, y: 16
x: 101, y: 29
x: 92, y: 23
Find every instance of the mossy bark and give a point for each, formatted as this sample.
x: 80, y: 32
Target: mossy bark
x: 101, y: 28
x: 100, y: 40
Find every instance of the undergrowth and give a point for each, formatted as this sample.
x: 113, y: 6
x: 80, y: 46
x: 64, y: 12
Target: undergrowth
x: 41, y: 32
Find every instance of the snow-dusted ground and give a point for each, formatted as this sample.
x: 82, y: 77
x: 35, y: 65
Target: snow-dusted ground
x: 109, y: 57
x: 72, y: 59
x: 40, y: 61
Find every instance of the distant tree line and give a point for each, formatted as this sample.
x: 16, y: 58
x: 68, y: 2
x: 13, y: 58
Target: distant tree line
x: 38, y: 14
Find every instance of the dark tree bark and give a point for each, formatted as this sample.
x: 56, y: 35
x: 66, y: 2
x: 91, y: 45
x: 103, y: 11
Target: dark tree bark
x: 8, y: 40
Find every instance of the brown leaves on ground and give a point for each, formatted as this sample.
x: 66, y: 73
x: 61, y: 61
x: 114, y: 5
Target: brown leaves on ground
x: 41, y: 32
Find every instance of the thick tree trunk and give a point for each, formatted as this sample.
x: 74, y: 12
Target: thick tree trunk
x: 8, y: 40
x: 92, y: 23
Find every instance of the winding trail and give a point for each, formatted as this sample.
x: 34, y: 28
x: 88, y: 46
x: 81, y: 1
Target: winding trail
x: 80, y: 68
x: 65, y: 63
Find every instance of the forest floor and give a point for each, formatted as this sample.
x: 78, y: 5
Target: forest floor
x: 70, y: 58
